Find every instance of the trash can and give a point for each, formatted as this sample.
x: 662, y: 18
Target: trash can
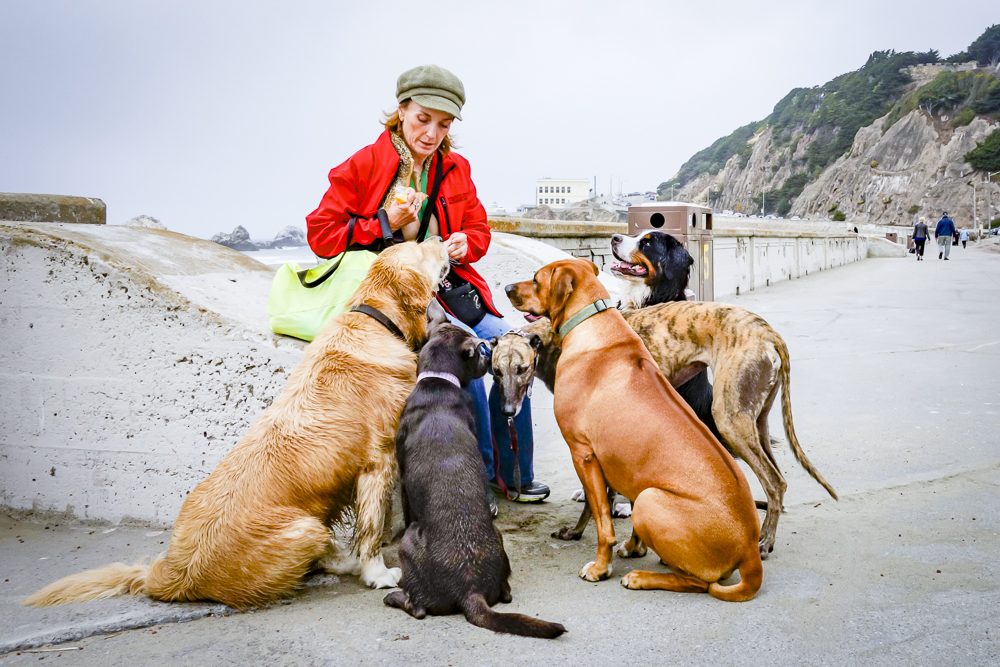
x: 690, y: 224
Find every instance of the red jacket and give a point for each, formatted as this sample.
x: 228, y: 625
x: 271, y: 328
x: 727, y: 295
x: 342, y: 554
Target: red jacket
x: 359, y: 186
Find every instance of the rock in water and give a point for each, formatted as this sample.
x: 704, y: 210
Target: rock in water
x: 147, y: 221
x: 289, y: 237
x: 238, y: 240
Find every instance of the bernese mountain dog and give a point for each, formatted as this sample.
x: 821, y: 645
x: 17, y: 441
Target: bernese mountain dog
x: 655, y: 266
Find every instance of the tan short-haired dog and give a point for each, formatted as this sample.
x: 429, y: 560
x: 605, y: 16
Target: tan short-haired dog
x: 627, y: 428
x: 324, y: 449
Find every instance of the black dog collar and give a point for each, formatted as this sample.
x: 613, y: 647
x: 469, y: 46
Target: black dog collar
x: 380, y: 317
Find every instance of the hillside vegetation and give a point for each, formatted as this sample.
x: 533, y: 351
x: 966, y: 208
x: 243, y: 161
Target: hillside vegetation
x: 811, y: 129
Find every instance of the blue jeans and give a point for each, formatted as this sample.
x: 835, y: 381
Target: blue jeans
x: 490, y: 421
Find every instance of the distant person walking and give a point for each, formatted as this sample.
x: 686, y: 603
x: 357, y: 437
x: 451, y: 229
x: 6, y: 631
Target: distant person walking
x: 944, y: 232
x: 919, y: 238
x: 964, y: 236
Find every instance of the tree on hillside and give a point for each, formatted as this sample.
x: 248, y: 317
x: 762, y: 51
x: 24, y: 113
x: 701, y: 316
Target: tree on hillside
x: 986, y: 155
x: 986, y: 48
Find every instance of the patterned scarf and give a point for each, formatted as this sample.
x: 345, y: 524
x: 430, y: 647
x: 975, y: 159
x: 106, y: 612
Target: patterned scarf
x: 404, y: 175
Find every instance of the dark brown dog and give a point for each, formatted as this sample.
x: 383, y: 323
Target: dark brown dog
x: 452, y: 555
x: 627, y: 428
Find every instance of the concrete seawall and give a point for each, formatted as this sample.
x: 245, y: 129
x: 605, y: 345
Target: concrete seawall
x: 132, y: 361
x: 749, y: 253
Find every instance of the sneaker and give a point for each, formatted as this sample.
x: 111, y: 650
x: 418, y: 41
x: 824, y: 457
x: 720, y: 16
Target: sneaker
x: 940, y: 254
x: 946, y: 259
x: 534, y: 492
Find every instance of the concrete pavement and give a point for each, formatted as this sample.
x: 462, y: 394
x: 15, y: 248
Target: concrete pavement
x: 896, y: 401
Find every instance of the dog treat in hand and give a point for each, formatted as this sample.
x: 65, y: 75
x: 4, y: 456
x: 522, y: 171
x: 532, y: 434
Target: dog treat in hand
x: 402, y: 194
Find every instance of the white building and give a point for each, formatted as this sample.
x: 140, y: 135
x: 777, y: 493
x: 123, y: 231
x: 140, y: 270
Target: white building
x: 561, y: 192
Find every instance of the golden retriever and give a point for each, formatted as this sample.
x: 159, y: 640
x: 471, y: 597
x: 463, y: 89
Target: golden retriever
x: 322, y: 451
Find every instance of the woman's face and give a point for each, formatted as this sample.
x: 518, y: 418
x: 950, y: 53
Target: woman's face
x: 423, y: 129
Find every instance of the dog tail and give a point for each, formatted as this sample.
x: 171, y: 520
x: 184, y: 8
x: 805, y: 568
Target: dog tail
x: 106, y: 582
x: 479, y: 614
x: 751, y: 576
x: 786, y: 419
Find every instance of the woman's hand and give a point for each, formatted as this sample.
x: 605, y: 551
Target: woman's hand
x: 457, y: 246
x: 401, y: 215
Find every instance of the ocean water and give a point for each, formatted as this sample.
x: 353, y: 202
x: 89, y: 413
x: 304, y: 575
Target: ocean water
x: 274, y: 258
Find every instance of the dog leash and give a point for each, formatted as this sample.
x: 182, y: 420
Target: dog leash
x: 517, y: 466
x: 598, y: 306
x: 380, y: 317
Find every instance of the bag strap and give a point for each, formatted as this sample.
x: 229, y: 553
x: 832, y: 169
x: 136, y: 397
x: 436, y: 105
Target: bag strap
x: 425, y: 221
x: 350, y: 231
x: 383, y: 221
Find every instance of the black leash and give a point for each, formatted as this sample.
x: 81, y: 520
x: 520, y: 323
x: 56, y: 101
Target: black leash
x: 380, y: 317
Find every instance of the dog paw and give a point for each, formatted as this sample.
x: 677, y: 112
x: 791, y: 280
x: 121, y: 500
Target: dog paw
x: 590, y: 572
x: 341, y: 563
x: 579, y: 496
x: 376, y: 575
x: 568, y: 533
x: 621, y: 510
x: 765, y: 549
x: 629, y: 550
x: 631, y: 580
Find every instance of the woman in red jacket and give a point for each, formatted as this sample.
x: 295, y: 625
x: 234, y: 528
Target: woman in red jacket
x: 422, y: 188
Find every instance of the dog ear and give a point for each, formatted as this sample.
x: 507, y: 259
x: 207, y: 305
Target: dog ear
x: 560, y: 287
x: 435, y: 313
x: 535, y: 341
x: 593, y: 266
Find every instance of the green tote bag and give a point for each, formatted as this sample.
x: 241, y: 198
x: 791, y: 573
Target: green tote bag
x: 302, y: 301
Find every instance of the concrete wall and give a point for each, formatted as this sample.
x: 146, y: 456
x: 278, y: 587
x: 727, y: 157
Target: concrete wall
x: 579, y: 238
x: 52, y: 208
x: 132, y: 361
x: 749, y: 253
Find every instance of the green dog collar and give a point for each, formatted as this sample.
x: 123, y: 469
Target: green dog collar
x: 598, y: 306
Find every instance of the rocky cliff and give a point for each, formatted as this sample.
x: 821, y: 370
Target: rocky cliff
x: 882, y: 144
x: 289, y: 237
x: 915, y: 168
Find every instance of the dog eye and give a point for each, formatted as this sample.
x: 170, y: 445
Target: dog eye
x: 521, y: 370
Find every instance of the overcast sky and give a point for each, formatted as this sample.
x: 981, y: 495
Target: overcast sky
x: 209, y: 115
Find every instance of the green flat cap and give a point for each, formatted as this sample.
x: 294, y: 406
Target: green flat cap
x: 432, y: 87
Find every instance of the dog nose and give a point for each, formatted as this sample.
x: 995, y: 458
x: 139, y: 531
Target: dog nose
x: 509, y: 289
x: 616, y: 239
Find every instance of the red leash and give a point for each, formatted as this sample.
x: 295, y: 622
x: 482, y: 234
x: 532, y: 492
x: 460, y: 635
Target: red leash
x: 517, y: 466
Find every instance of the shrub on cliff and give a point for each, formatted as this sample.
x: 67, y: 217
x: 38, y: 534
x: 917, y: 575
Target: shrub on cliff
x: 986, y: 154
x: 838, y: 216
